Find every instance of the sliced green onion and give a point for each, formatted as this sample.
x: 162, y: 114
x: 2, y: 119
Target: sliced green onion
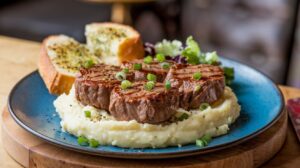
x: 200, y: 143
x: 197, y: 75
x: 203, y: 106
x: 137, y: 66
x: 149, y: 85
x: 197, y: 88
x: 120, y: 76
x: 165, y: 65
x: 83, y: 141
x: 148, y: 60
x: 160, y: 57
x: 168, y: 85
x: 125, y: 70
x: 94, y: 143
x: 151, y: 77
x: 89, y: 63
x: 87, y: 114
x: 203, y: 141
x: 125, y: 84
x: 184, y: 116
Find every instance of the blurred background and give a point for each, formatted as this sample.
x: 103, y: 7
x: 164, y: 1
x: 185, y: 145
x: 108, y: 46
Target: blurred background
x: 264, y: 34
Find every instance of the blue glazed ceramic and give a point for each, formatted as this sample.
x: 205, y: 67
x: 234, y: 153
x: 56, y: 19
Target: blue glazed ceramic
x: 31, y: 106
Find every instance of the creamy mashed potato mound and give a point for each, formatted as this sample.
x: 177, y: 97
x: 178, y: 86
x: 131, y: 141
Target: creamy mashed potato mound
x: 214, y: 120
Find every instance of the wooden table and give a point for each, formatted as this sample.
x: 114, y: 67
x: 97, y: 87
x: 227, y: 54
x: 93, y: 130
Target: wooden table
x: 18, y: 58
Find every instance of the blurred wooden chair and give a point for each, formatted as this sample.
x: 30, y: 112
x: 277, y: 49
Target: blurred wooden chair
x: 120, y: 12
x: 257, y: 33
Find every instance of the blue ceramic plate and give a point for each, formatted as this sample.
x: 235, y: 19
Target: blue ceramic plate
x: 31, y: 106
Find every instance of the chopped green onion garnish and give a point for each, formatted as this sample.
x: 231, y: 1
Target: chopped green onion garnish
x: 148, y: 60
x: 203, y: 106
x: 137, y: 66
x: 151, y: 77
x: 83, y: 141
x: 160, y: 57
x: 94, y: 143
x: 165, y: 65
x: 89, y: 63
x: 168, y: 85
x: 120, y: 76
x: 197, y: 75
x: 125, y: 84
x: 200, y: 143
x: 184, y: 116
x: 125, y: 70
x: 197, y: 88
x: 87, y: 113
x: 149, y: 85
x: 203, y: 141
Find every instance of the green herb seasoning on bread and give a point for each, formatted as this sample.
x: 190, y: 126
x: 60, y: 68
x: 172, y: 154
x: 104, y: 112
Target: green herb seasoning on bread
x: 61, y: 56
x: 60, y: 59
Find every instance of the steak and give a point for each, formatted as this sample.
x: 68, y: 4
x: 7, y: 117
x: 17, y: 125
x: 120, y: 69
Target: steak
x: 93, y: 85
x: 154, y: 67
x: 193, y: 92
x: 98, y: 87
x: 136, y: 103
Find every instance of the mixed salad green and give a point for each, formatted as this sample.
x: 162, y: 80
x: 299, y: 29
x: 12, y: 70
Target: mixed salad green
x: 188, y: 53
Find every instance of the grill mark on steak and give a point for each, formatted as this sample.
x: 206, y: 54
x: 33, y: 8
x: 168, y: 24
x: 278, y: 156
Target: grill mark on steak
x: 212, y: 84
x: 98, y: 87
x: 154, y: 67
x: 93, y: 85
x: 136, y: 103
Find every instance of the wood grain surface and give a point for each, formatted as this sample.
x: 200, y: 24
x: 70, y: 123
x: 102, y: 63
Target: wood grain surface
x: 18, y: 58
x: 33, y: 152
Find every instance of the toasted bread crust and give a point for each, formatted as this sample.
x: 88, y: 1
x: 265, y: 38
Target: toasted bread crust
x: 56, y: 82
x: 131, y: 48
x: 117, y: 25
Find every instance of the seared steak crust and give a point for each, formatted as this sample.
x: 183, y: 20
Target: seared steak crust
x: 136, y: 103
x: 98, y: 87
x: 154, y: 67
x: 93, y: 86
x: 212, y: 84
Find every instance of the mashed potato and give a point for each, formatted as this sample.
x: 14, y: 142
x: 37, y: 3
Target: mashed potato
x: 108, y: 131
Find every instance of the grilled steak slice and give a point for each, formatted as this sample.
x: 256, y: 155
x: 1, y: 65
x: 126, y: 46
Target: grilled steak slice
x: 154, y: 67
x: 194, y: 92
x: 93, y: 85
x: 136, y: 103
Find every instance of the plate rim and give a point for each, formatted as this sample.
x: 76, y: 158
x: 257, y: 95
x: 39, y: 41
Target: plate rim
x: 147, y: 155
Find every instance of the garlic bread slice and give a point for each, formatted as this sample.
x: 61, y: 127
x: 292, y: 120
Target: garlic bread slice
x: 114, y: 43
x: 60, y: 59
